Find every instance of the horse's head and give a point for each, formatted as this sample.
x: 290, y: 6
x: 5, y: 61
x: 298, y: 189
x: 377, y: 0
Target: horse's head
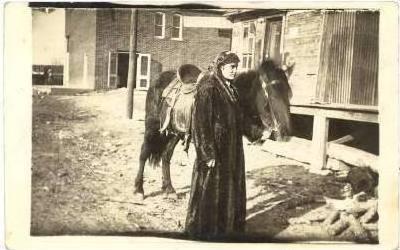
x: 253, y: 99
x: 264, y: 97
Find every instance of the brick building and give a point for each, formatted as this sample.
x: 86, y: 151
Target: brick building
x: 166, y: 38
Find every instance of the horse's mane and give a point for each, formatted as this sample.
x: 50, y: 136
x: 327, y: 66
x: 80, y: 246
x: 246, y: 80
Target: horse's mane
x: 272, y: 71
x: 244, y: 83
x: 243, y: 79
x: 164, y: 79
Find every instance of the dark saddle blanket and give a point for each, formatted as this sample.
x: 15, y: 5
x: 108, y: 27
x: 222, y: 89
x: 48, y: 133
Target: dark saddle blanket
x: 178, y: 99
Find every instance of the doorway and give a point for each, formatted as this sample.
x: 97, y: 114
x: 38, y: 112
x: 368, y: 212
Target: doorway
x: 122, y: 70
x: 118, y: 67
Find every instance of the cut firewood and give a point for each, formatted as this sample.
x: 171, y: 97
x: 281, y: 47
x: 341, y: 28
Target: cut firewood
x: 301, y: 220
x: 351, y: 206
x: 370, y: 215
x: 371, y: 227
x: 351, y: 137
x: 332, y: 217
x: 357, y: 210
x: 339, y: 205
x: 344, y: 139
x: 339, y: 226
x: 360, y: 234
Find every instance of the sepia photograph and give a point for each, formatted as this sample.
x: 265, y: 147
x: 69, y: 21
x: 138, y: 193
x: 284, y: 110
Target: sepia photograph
x: 207, y: 123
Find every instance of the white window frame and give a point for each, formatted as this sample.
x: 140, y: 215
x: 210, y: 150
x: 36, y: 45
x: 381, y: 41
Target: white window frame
x: 109, y: 74
x: 245, y: 44
x: 163, y: 25
x: 180, y: 38
x: 139, y: 76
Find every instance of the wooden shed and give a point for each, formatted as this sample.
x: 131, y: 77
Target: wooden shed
x: 332, y: 56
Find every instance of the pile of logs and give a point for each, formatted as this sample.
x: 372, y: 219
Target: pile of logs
x: 357, y: 212
x: 356, y: 215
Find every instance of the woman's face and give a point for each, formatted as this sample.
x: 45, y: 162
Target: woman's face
x: 229, y: 70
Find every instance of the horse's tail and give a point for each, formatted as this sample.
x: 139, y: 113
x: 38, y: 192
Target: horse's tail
x: 154, y: 141
x: 152, y: 138
x: 156, y: 153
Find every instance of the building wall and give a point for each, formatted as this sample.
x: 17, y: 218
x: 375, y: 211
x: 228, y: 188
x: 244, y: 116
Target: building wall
x: 48, y: 37
x: 349, y: 58
x: 113, y: 27
x: 335, y: 54
x: 199, y: 45
x: 301, y: 45
x: 80, y: 28
x: 364, y: 87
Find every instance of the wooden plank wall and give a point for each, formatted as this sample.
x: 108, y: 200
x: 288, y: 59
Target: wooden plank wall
x: 348, y: 70
x: 237, y: 40
x: 301, y: 43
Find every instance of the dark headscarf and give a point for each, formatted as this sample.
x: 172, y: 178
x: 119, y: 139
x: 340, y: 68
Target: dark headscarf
x: 223, y: 58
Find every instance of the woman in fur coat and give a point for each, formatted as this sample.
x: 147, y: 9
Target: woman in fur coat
x: 217, y: 205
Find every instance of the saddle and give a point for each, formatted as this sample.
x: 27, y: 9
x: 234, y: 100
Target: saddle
x: 177, y: 101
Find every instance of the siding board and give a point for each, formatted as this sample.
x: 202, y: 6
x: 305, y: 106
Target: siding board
x: 301, y: 39
x: 349, y: 58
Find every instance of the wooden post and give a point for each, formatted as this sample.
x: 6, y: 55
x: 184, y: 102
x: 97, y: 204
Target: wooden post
x: 85, y: 70
x: 66, y: 70
x: 132, y: 62
x: 319, y: 142
x: 109, y: 69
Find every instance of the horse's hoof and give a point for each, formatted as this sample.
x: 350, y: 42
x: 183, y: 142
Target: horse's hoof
x: 138, y: 197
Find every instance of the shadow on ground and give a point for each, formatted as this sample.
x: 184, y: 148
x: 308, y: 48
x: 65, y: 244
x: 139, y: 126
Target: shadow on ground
x: 290, y: 191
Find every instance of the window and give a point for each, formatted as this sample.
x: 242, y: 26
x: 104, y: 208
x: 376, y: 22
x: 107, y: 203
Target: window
x: 177, y: 25
x: 247, y: 61
x: 248, y: 44
x: 159, y: 25
x: 143, y: 71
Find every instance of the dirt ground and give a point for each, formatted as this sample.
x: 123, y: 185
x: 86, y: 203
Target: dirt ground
x: 84, y: 161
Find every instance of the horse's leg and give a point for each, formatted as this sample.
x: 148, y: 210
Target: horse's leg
x: 144, y: 155
x: 167, y: 187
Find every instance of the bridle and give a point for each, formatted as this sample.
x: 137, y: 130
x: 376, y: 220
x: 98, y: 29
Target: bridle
x: 264, y: 86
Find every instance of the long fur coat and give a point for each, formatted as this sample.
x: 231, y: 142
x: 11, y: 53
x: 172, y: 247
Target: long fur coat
x: 217, y: 205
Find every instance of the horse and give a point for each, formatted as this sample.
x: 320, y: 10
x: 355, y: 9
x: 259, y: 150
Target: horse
x: 263, y: 95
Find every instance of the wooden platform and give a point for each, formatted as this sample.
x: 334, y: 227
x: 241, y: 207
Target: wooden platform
x: 338, y: 111
x: 322, y: 113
